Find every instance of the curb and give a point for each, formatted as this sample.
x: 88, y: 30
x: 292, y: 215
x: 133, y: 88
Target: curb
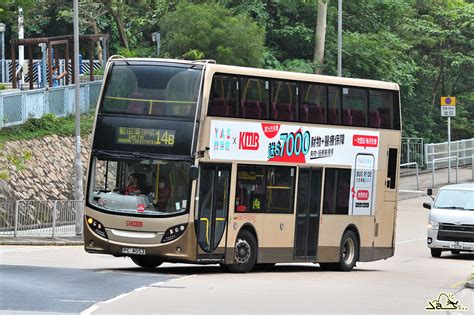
x: 42, y: 241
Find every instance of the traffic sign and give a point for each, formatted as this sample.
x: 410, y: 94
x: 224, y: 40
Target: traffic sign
x: 448, y: 111
x: 448, y: 101
x: 448, y: 106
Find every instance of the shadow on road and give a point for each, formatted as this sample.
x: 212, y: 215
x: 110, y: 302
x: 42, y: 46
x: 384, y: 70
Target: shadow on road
x: 215, y: 269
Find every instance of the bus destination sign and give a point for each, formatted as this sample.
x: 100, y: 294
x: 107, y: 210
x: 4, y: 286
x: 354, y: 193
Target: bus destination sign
x: 142, y: 136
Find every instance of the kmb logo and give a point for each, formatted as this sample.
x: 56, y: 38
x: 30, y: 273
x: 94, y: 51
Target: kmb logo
x: 134, y: 223
x: 248, y: 141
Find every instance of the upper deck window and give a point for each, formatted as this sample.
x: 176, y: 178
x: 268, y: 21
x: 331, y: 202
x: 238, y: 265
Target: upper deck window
x: 284, y: 100
x: 254, y: 101
x: 354, y: 107
x: 224, y: 96
x: 153, y: 90
x: 384, y: 110
x: 313, y: 103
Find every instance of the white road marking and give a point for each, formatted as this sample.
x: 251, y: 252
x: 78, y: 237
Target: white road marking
x: 94, y: 307
x: 409, y: 241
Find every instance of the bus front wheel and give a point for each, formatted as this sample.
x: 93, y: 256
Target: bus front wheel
x: 146, y: 262
x: 245, y: 253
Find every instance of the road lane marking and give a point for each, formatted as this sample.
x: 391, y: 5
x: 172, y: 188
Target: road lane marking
x: 94, y: 307
x: 21, y: 250
x: 409, y: 241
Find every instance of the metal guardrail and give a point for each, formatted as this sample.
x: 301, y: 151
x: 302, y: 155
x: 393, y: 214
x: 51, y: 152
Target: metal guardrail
x: 16, y: 107
x: 417, y: 173
x: 463, y: 149
x: 449, y: 158
x: 38, y: 218
x: 412, y: 150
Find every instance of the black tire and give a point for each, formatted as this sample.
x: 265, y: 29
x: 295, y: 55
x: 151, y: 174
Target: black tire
x: 245, y: 253
x: 146, y: 262
x: 436, y: 252
x: 455, y: 252
x: 348, y: 253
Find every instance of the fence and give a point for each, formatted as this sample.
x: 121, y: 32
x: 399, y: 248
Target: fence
x: 412, y: 151
x: 85, y: 68
x: 38, y: 218
x: 18, y: 106
x: 462, y: 149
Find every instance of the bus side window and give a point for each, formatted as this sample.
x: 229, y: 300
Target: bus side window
x: 354, y: 107
x: 334, y: 105
x: 283, y: 101
x: 336, y: 191
x: 381, y: 109
x: 224, y: 96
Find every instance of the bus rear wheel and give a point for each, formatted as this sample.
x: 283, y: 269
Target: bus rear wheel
x: 349, y: 252
x: 245, y: 253
x: 146, y: 262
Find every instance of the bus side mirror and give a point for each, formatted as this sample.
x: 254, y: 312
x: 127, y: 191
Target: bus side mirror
x: 429, y: 191
x: 194, y: 172
x: 427, y: 205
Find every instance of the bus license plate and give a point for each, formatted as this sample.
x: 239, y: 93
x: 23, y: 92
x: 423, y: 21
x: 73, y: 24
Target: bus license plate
x: 456, y: 245
x: 133, y: 251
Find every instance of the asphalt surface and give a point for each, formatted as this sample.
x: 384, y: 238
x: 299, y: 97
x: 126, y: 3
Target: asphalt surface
x: 66, y: 290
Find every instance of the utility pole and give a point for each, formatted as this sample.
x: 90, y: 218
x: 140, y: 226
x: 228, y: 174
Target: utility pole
x: 78, y: 162
x: 21, y: 48
x: 339, y: 38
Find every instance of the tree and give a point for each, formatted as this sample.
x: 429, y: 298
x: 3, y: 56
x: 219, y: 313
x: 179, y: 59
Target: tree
x: 318, y: 58
x: 215, y: 32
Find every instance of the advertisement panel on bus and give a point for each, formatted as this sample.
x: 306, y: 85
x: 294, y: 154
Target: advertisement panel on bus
x: 275, y: 142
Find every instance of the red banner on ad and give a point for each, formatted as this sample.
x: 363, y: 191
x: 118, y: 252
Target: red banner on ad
x: 270, y: 130
x: 362, y: 194
x: 365, y: 141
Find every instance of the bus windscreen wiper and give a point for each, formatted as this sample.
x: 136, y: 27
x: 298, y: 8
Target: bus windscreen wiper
x: 116, y: 155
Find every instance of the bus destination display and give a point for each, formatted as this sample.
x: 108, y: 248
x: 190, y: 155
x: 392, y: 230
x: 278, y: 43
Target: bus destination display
x: 142, y: 136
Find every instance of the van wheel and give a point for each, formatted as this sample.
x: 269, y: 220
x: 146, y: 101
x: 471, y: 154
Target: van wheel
x: 349, y: 252
x: 455, y: 252
x: 146, y: 262
x: 245, y: 253
x: 436, y: 252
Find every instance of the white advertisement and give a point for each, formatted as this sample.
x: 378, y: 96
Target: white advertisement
x: 362, y: 190
x: 276, y: 142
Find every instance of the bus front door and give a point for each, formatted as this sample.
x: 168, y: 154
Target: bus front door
x: 214, y: 186
x: 307, y: 213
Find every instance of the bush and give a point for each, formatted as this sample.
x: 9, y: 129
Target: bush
x: 47, y: 125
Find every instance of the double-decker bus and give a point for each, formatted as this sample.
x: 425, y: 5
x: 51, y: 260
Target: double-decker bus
x: 199, y: 162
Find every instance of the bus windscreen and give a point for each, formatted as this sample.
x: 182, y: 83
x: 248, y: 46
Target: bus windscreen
x: 148, y: 187
x: 151, y: 90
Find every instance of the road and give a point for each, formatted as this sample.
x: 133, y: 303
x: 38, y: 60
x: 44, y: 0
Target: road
x: 66, y: 279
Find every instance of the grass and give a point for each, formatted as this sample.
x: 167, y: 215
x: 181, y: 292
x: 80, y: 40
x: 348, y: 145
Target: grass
x: 47, y: 125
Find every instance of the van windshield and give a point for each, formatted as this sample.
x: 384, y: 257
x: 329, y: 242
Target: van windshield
x: 455, y: 199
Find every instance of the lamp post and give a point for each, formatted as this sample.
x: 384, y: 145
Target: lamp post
x: 339, y: 38
x: 78, y: 162
x: 2, y: 40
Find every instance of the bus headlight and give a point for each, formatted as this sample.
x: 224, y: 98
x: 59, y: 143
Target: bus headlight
x: 173, y: 232
x: 433, y: 225
x: 96, y: 226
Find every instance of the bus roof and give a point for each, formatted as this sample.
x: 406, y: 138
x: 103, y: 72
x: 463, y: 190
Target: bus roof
x: 276, y: 74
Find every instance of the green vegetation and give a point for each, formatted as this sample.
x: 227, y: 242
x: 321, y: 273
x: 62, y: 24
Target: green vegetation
x: 47, y: 125
x: 425, y: 46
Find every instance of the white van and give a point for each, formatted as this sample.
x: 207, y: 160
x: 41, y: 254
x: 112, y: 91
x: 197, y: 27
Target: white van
x: 451, y: 221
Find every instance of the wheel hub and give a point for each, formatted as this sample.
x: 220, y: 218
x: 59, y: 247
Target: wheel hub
x: 242, y: 251
x: 348, y: 251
